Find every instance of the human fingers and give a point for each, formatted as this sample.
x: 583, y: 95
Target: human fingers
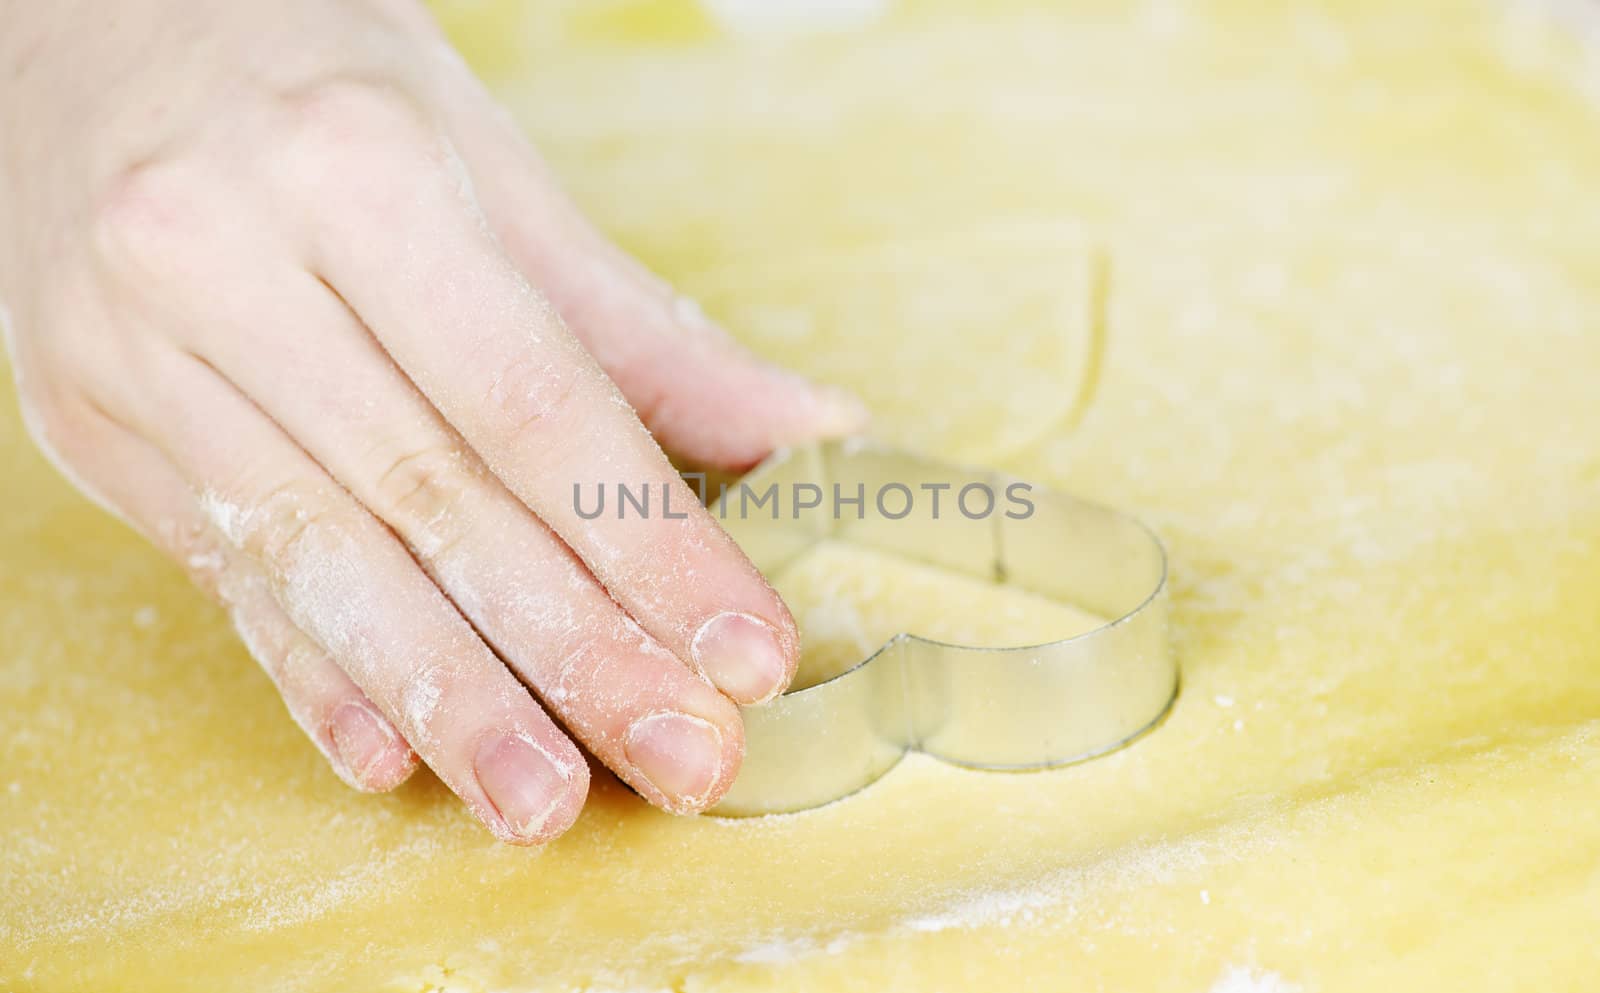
x: 409, y: 251
x: 328, y: 384
x: 348, y: 583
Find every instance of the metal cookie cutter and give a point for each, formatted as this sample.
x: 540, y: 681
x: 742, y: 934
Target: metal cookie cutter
x: 1027, y: 707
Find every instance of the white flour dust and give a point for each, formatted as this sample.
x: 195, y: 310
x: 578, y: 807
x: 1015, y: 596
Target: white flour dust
x: 775, y: 18
x: 1242, y: 980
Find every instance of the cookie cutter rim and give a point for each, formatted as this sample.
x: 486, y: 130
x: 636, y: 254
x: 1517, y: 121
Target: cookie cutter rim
x: 1118, y: 679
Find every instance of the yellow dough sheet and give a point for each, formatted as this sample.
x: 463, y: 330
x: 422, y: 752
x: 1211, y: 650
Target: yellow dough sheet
x: 1342, y: 352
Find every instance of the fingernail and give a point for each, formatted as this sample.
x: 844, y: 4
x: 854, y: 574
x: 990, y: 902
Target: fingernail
x: 741, y: 655
x: 362, y: 740
x: 681, y: 755
x: 523, y: 782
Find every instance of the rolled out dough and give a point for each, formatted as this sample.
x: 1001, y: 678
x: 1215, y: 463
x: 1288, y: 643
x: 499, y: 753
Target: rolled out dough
x: 1351, y: 342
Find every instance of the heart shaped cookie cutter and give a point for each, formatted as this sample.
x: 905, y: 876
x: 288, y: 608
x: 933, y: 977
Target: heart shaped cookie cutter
x: 1014, y: 708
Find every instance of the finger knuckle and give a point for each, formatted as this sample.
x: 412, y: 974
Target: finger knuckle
x: 305, y: 677
x: 146, y: 218
x: 425, y: 692
x: 335, y: 123
x: 533, y: 400
x: 288, y: 537
x: 417, y: 491
x: 278, y: 529
x: 300, y: 671
x: 346, y: 108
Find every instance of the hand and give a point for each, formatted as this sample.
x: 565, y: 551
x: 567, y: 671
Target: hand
x: 294, y: 298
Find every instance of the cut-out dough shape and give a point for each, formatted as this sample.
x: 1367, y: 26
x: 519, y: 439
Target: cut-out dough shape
x: 923, y: 300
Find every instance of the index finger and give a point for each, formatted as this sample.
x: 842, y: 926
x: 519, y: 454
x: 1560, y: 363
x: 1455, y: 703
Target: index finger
x: 408, y: 250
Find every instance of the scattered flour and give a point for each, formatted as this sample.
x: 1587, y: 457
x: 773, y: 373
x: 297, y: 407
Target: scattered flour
x: 1239, y: 979
x: 997, y: 908
x: 780, y: 951
x: 207, y: 563
x: 420, y: 699
x: 776, y: 18
x: 1046, y: 901
x: 228, y: 518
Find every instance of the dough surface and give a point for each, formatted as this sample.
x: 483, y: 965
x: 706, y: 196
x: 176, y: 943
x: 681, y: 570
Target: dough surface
x: 1347, y: 367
